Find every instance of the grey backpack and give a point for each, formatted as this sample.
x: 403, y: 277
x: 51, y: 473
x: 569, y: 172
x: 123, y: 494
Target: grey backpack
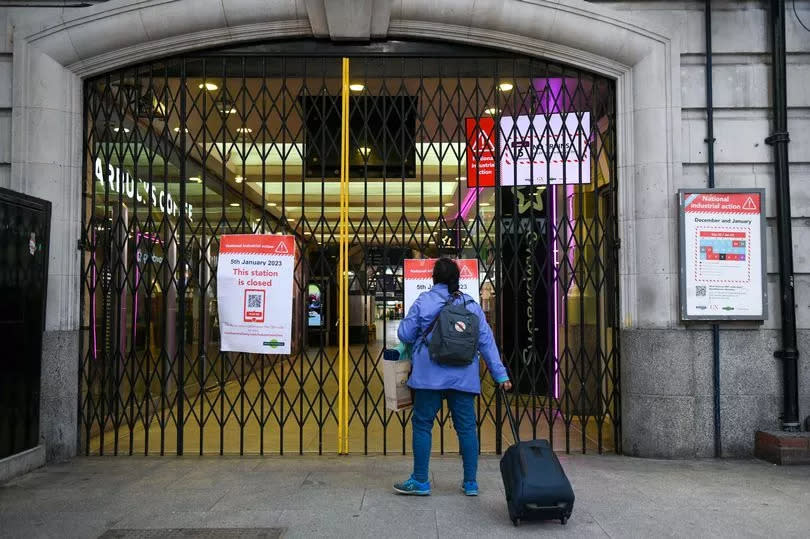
x: 454, y: 338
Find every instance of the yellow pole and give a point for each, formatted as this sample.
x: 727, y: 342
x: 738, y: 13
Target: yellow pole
x: 346, y: 399
x: 343, y: 272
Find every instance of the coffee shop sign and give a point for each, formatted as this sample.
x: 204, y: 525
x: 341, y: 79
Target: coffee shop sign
x: 121, y: 181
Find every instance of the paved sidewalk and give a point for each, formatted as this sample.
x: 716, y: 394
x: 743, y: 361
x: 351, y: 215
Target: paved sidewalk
x: 351, y: 497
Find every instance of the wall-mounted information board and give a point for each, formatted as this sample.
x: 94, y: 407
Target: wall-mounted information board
x: 722, y: 254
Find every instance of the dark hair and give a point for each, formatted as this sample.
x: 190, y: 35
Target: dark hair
x: 446, y: 272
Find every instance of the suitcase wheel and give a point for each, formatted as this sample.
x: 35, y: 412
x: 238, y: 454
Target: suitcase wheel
x: 563, y: 520
x: 516, y: 522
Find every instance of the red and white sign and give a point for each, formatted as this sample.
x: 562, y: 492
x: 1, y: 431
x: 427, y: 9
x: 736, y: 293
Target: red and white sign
x: 255, y: 293
x: 480, y: 152
x: 722, y: 255
x: 545, y: 149
x: 739, y: 203
x: 419, y: 278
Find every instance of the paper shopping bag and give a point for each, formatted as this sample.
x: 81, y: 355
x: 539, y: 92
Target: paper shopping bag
x: 395, y: 379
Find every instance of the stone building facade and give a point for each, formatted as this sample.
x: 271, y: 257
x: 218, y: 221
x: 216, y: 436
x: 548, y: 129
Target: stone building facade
x: 654, y: 50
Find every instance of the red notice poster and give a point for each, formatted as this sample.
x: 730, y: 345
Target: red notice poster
x: 480, y: 152
x: 255, y: 293
x: 419, y: 278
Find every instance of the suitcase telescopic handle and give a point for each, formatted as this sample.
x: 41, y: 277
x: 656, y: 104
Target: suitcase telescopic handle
x: 509, y: 414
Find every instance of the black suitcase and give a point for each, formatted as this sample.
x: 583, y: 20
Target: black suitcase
x: 535, y: 483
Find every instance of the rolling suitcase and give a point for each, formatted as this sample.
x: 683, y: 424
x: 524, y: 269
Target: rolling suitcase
x: 535, y: 483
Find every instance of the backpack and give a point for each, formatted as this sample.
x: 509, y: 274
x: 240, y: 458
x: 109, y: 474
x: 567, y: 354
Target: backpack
x: 454, y: 339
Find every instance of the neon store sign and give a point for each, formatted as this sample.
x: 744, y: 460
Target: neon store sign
x: 121, y: 181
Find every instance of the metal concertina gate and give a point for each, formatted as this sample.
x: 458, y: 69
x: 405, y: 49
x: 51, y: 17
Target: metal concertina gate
x: 362, y: 153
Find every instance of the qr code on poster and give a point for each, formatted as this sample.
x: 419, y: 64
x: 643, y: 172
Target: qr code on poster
x: 700, y: 291
x: 254, y: 301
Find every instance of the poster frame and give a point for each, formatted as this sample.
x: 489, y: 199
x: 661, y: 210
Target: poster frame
x: 682, y: 254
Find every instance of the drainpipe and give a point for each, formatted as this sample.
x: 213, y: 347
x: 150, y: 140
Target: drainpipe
x: 779, y: 139
x: 718, y: 441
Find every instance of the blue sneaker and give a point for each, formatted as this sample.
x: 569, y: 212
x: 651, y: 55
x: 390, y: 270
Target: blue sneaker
x: 413, y: 487
x: 470, y: 488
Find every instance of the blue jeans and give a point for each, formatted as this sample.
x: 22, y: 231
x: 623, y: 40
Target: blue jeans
x: 426, y: 404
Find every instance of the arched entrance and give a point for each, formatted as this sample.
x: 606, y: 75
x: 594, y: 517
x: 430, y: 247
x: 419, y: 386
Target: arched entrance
x: 499, y: 158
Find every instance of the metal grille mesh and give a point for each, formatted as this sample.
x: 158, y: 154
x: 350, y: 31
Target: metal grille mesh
x: 181, y: 151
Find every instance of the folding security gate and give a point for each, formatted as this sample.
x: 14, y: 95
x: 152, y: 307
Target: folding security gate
x: 368, y: 155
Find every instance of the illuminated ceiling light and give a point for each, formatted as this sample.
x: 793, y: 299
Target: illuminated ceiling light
x: 226, y: 107
x: 357, y: 87
x: 239, y: 179
x: 307, y: 233
x: 460, y: 178
x: 364, y: 150
x: 506, y: 86
x: 244, y: 130
x: 448, y: 204
x: 271, y: 204
x: 124, y: 129
x: 177, y: 129
x: 195, y: 179
x: 210, y: 86
x: 484, y: 204
x: 234, y: 204
x: 492, y: 111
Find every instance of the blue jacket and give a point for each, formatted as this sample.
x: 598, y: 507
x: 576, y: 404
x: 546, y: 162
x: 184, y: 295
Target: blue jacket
x: 427, y: 374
